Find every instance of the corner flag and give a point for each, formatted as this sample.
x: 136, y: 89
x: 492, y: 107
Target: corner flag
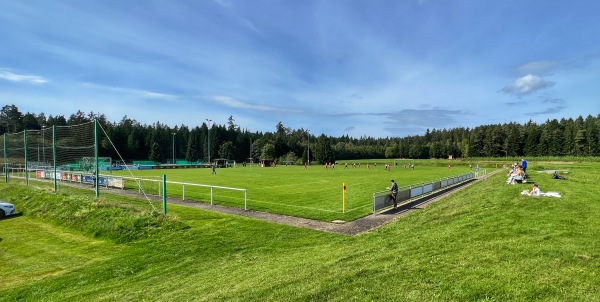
x: 343, y: 198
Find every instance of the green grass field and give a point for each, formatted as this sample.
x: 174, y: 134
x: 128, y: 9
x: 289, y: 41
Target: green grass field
x: 483, y: 243
x: 314, y: 193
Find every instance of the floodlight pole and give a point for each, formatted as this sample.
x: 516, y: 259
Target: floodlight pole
x: 208, y: 120
x: 43, y: 144
x: 173, y: 149
x: 96, y: 177
x: 38, y: 149
x: 5, y: 166
x: 308, y: 146
x: 26, y: 164
x: 54, y: 157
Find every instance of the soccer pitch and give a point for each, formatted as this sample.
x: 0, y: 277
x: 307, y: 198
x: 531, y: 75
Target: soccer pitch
x: 314, y: 193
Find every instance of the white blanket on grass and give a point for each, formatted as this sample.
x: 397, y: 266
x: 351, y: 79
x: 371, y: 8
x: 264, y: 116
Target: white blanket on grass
x: 552, y: 194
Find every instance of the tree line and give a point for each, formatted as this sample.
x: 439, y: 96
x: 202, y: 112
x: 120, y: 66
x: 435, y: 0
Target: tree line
x: 160, y: 143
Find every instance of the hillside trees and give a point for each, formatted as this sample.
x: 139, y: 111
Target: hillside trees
x: 131, y: 140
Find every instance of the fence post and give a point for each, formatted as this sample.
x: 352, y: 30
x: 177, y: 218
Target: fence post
x: 54, y: 158
x: 25, y: 152
x: 5, y: 165
x: 373, y: 203
x: 164, y: 195
x: 96, y: 169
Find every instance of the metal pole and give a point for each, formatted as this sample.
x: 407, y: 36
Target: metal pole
x: 44, y: 144
x: 164, y: 195
x: 54, y: 156
x: 26, y: 165
x: 173, y: 149
x: 97, y: 178
x: 245, y: 200
x: 208, y: 120
x: 5, y: 159
x: 373, y: 203
x: 308, y: 145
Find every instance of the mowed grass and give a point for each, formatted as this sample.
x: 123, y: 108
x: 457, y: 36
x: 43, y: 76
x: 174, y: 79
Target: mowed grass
x: 483, y: 243
x: 314, y: 193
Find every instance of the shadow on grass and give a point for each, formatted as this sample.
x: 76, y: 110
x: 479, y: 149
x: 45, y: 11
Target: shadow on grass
x: 418, y: 203
x: 11, y: 216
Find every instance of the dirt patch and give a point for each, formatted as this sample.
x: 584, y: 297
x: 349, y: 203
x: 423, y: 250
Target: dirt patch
x: 553, y: 171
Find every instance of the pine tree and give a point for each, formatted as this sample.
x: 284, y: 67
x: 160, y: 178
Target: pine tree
x: 154, y: 153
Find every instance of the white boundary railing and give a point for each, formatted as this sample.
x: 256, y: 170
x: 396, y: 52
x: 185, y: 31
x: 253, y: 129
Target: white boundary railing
x: 184, y: 184
x: 382, y: 199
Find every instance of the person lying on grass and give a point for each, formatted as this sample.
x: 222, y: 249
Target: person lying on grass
x: 535, y: 191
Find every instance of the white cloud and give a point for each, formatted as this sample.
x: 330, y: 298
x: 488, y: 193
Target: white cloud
x: 537, y: 67
x: 13, y: 77
x: 135, y: 92
x: 234, y: 103
x: 526, y: 85
x: 245, y: 22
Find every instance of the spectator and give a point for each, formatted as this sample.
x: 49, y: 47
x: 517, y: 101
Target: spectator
x: 535, y: 191
x: 394, y: 192
x: 513, y: 175
x: 556, y: 176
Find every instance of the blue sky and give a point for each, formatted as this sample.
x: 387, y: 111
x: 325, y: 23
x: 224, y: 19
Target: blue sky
x: 339, y: 67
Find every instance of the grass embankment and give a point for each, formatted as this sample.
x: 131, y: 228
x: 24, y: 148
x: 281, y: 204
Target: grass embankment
x: 100, y: 218
x: 486, y: 242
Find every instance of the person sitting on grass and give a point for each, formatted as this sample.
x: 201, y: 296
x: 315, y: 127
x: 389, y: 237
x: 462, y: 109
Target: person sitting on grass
x: 535, y: 191
x: 513, y: 175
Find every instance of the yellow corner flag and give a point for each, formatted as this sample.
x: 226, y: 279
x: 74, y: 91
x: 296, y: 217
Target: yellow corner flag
x: 343, y: 198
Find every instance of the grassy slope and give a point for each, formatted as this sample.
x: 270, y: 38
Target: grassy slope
x: 483, y: 243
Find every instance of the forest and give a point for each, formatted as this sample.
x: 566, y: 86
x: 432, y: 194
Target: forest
x: 135, y: 141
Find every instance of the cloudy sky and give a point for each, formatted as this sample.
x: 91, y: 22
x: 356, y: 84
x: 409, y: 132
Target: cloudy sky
x: 340, y: 67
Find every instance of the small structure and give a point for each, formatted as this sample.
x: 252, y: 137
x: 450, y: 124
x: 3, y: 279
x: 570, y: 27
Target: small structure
x: 221, y: 162
x: 266, y: 162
